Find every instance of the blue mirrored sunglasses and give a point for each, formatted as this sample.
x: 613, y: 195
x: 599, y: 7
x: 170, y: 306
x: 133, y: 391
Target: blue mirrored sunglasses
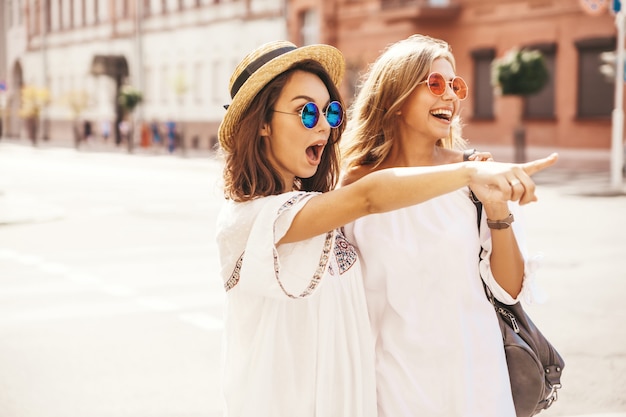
x: 310, y: 114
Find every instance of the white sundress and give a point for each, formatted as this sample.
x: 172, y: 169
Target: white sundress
x: 439, y: 350
x: 297, y: 339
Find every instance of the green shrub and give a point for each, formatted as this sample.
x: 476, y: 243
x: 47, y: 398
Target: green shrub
x: 519, y: 72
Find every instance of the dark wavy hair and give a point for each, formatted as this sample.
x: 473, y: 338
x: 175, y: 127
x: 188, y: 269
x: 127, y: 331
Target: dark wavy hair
x: 248, y: 173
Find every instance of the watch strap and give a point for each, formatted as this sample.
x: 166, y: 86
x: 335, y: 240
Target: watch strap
x: 501, y: 224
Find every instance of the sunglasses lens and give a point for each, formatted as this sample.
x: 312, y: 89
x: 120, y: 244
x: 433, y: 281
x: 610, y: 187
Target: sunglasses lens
x: 334, y: 114
x: 437, y: 84
x: 460, y: 88
x: 310, y: 115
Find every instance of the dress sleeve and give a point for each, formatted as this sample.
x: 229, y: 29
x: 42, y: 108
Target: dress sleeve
x: 291, y: 270
x: 529, y: 291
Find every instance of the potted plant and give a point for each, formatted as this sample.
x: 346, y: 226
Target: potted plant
x: 519, y: 73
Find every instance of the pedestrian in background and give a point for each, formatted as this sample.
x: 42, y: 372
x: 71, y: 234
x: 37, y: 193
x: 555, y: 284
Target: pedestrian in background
x: 439, y: 350
x: 87, y: 131
x: 105, y: 130
x: 124, y: 127
x: 170, y: 126
x: 145, y: 140
x: 297, y: 334
x: 156, y: 133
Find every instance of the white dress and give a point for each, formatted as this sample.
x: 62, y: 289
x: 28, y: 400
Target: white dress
x: 439, y: 349
x: 297, y: 335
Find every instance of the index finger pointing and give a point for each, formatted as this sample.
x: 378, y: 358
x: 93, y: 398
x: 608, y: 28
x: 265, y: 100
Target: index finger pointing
x: 539, y: 164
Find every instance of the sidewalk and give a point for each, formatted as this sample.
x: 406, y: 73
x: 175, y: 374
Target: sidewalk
x: 17, y: 208
x: 578, y: 171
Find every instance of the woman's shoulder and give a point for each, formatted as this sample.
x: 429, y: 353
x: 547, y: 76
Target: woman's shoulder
x: 356, y: 173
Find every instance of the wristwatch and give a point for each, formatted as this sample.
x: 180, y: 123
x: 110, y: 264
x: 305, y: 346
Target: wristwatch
x: 501, y: 224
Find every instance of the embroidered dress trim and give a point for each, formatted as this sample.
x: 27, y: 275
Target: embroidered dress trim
x: 234, y: 277
x: 345, y: 254
x: 317, y: 276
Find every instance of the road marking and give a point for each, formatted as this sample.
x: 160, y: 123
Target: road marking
x: 126, y: 300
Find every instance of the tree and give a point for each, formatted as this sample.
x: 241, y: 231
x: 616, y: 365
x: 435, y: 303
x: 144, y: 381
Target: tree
x: 519, y: 73
x: 33, y: 100
x: 128, y: 99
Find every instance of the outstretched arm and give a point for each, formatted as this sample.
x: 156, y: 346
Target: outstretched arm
x: 394, y: 188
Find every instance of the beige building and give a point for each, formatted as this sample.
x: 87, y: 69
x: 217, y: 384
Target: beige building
x: 178, y: 53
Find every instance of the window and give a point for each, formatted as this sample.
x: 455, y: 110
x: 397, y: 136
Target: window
x: 20, y: 14
x: 216, y: 83
x: 164, y: 83
x: 122, y: 9
x: 147, y: 84
x: 47, y: 16
x: 197, y: 87
x: 541, y: 104
x: 103, y: 11
x: 482, y: 91
x: 310, y: 30
x: 71, y: 14
x: 9, y: 11
x: 79, y: 14
x: 89, y: 11
x: 595, y: 94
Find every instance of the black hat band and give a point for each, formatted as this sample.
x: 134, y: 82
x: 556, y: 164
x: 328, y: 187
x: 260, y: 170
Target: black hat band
x: 255, y: 65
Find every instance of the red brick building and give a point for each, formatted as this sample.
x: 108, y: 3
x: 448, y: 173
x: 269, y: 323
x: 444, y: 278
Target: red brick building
x: 573, y: 110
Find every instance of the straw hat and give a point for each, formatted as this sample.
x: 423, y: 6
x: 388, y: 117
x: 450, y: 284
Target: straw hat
x: 260, y: 67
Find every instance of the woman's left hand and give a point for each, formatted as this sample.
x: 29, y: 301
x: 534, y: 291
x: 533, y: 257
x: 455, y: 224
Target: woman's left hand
x: 480, y: 156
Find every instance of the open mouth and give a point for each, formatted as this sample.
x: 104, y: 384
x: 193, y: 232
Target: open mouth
x: 442, y: 114
x: 314, y: 153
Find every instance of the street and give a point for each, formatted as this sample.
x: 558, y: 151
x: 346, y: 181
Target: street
x: 111, y: 302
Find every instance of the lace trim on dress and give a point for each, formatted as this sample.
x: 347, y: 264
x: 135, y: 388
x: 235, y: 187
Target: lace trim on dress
x: 234, y: 277
x: 317, y: 276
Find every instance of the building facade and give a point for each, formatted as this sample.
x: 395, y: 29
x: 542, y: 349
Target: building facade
x: 180, y: 54
x: 573, y: 110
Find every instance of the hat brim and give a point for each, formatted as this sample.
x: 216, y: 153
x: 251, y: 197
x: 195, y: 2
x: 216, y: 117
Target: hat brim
x: 328, y: 56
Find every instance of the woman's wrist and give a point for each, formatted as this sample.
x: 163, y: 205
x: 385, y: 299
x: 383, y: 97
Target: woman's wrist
x: 497, y: 210
x: 468, y: 170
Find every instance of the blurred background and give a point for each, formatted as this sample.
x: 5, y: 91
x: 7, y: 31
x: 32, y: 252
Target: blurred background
x: 64, y: 63
x: 110, y: 296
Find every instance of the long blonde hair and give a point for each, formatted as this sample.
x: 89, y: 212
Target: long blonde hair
x: 383, y: 90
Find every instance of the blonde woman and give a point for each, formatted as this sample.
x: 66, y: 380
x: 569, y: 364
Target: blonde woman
x: 439, y: 349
